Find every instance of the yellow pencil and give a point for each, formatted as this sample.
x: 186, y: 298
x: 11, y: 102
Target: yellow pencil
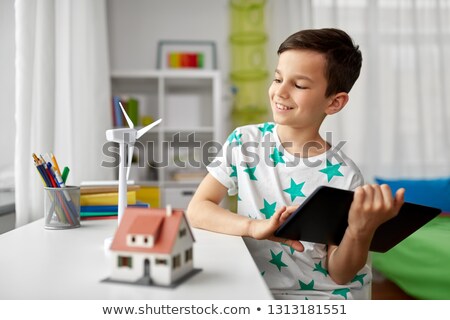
x: 55, y: 163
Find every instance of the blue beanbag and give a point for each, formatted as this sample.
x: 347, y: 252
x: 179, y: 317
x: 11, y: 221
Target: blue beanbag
x: 427, y: 192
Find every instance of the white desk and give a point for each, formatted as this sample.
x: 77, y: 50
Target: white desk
x: 69, y: 264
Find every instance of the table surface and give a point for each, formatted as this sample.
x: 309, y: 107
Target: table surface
x: 36, y: 263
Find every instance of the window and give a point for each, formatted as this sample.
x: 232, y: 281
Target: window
x: 161, y: 261
x: 182, y: 233
x: 176, y: 261
x: 188, y: 255
x: 124, y: 261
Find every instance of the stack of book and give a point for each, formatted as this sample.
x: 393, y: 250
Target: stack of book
x: 131, y: 106
x: 100, y: 201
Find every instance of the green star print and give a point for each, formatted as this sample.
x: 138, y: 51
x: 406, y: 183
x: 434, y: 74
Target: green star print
x: 341, y: 292
x: 332, y: 170
x: 234, y: 171
x: 267, y: 127
x: 295, y: 190
x: 269, y: 209
x: 276, y: 260
x: 306, y: 286
x: 319, y: 268
x: 360, y: 278
x: 251, y: 172
x: 277, y: 157
x: 235, y: 136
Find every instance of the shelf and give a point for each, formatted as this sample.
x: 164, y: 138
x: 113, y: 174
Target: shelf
x: 134, y: 74
x: 188, y: 130
x: 188, y: 101
x: 147, y: 183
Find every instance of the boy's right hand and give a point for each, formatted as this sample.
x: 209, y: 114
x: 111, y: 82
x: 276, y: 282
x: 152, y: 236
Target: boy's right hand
x: 265, y: 229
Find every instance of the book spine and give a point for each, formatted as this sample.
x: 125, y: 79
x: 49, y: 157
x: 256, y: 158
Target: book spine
x: 118, y: 112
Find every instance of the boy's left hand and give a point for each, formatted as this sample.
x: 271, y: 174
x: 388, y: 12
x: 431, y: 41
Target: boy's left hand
x: 373, y: 205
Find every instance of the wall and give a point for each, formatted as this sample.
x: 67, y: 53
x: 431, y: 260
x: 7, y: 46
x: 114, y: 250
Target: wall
x: 7, y: 78
x: 136, y: 26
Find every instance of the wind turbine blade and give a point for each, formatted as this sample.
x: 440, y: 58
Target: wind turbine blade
x: 130, y: 123
x: 130, y: 158
x: 142, y: 131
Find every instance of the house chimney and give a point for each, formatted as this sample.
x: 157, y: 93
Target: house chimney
x: 168, y: 210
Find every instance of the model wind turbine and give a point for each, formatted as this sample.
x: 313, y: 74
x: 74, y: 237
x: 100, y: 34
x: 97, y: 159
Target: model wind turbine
x: 126, y: 137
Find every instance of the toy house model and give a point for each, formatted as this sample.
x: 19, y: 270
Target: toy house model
x: 152, y: 247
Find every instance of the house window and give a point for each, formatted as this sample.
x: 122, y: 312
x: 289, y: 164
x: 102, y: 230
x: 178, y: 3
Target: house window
x: 176, y: 261
x: 182, y: 233
x: 188, y: 255
x: 133, y: 239
x: 124, y: 261
x: 161, y: 261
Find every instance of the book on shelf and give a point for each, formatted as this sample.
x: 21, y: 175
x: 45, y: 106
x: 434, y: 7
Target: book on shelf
x: 105, y: 211
x: 111, y: 208
x: 131, y: 106
x: 110, y: 198
x: 105, y: 189
x: 84, y: 218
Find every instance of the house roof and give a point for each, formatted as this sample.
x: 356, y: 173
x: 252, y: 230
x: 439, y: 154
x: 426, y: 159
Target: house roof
x: 152, y: 222
x: 146, y: 224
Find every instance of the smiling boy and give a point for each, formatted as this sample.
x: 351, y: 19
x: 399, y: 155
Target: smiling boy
x: 273, y: 167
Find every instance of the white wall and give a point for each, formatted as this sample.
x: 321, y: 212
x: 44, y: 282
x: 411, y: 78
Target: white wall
x: 136, y: 26
x: 7, y: 78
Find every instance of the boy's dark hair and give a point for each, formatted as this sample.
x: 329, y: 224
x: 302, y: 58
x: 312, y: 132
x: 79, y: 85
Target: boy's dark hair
x: 343, y: 58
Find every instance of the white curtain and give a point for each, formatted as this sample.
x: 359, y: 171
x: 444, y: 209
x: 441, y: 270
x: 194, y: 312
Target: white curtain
x: 397, y: 121
x: 62, y: 94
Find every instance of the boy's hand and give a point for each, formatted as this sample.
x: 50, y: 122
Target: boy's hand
x: 264, y: 229
x: 373, y: 205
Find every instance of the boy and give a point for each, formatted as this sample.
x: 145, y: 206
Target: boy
x: 273, y: 167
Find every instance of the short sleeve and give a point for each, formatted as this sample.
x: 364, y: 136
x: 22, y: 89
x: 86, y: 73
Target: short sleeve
x: 223, y: 167
x: 357, y: 180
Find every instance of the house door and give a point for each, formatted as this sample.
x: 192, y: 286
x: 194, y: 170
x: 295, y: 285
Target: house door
x: 147, y: 268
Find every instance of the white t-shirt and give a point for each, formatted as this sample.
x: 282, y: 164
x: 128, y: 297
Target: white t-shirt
x: 254, y: 165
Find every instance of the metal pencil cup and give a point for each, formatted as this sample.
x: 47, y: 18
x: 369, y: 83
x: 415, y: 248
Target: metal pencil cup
x: 62, y: 207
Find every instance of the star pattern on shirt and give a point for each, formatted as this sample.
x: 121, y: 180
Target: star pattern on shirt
x: 269, y: 209
x: 235, y: 136
x: 341, y: 292
x: 295, y: 190
x: 266, y: 127
x: 332, y: 170
x: 276, y: 260
x: 233, y: 171
x: 306, y: 286
x: 359, y: 278
x: 251, y: 172
x: 318, y: 267
x: 277, y: 157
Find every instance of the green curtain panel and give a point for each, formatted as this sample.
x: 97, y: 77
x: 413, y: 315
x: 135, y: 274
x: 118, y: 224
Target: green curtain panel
x: 248, y: 62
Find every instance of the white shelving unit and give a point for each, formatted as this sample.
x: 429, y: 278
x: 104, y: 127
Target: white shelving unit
x: 189, y: 102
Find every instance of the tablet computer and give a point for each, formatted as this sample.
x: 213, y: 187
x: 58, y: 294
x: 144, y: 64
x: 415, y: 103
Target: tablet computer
x: 322, y: 218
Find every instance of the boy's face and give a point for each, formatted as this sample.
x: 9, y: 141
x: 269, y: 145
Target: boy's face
x: 297, y: 93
